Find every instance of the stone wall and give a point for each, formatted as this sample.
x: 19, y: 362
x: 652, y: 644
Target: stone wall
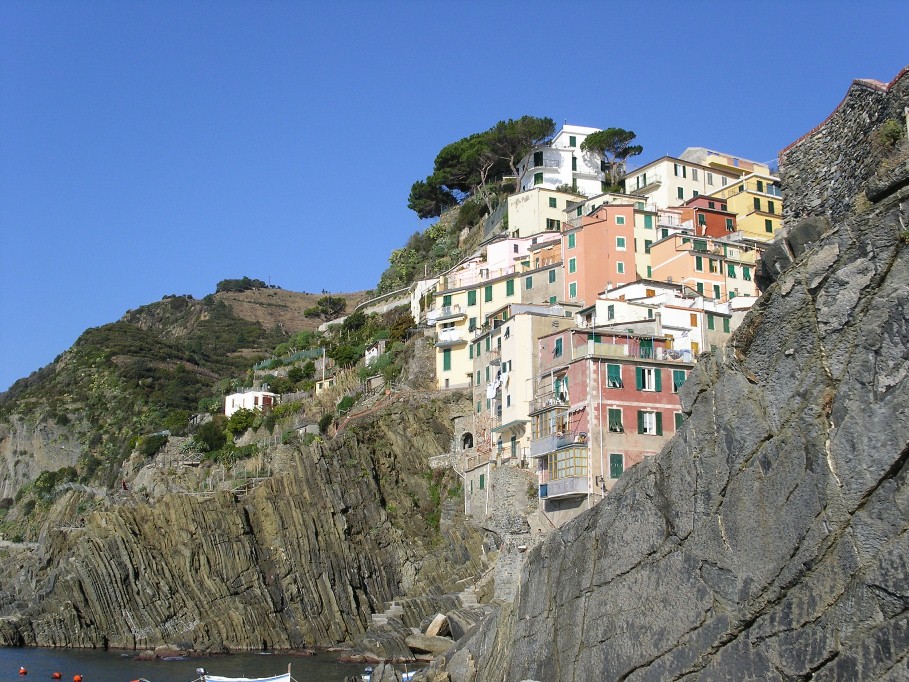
x: 823, y: 172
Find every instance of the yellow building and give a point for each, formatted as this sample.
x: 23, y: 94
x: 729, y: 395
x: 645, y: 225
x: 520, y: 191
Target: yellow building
x: 757, y: 202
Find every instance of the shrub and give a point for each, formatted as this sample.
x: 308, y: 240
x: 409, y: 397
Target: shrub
x: 325, y: 422
x: 346, y: 403
x: 242, y: 284
x: 210, y: 436
x: 150, y: 445
x: 890, y: 132
x: 296, y: 375
x: 240, y: 421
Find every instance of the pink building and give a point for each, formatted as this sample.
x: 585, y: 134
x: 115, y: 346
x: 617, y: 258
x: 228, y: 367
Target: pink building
x: 604, y: 401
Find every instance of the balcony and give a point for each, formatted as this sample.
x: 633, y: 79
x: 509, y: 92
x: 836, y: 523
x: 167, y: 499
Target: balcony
x: 446, y: 338
x: 573, y: 486
x: 548, y: 402
x: 541, y: 447
x: 448, y: 312
x: 620, y: 350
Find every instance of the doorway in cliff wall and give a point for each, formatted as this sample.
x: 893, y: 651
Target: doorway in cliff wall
x: 467, y: 441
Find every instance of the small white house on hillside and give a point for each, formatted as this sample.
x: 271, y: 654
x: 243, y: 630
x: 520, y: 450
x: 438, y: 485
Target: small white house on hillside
x: 250, y: 400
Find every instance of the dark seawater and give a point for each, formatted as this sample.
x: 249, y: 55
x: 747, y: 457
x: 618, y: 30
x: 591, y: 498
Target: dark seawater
x: 112, y: 666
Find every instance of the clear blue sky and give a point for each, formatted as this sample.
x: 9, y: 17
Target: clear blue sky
x: 153, y: 148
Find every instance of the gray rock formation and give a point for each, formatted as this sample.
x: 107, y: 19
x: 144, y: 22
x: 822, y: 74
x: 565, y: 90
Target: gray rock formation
x: 770, y: 539
x: 303, y: 560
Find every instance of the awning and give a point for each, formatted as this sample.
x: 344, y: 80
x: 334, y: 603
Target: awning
x: 509, y: 426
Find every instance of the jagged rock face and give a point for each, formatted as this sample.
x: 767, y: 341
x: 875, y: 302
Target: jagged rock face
x: 302, y: 561
x: 770, y: 539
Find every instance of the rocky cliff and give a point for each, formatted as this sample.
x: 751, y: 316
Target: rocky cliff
x: 770, y: 539
x: 302, y: 560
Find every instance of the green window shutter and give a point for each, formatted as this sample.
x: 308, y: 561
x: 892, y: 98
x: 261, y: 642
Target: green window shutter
x: 729, y: 226
x: 509, y: 288
x: 472, y: 324
x: 648, y: 221
x: 647, y: 244
x: 639, y: 378
x: 614, y: 376
x: 730, y: 268
x: 537, y: 178
x: 658, y: 379
x: 482, y: 481
x: 579, y: 211
x: 487, y: 344
x: 680, y: 193
x: 768, y: 225
x: 679, y: 420
x: 487, y: 293
x: 699, y: 263
x: 726, y: 324
x: 446, y: 300
x: 470, y: 351
x: 574, y: 163
x: 446, y: 359
x: 746, y: 273
x: 478, y: 407
x: 615, y: 420
x: 700, y: 288
x: 572, y: 264
x: 478, y: 383
x: 552, y: 202
x: 716, y: 291
x: 757, y: 204
x: 528, y: 283
x: 487, y: 374
x: 571, y: 241
x: 710, y: 323
x: 678, y: 379
x: 552, y: 276
x: 615, y: 465
x: 649, y: 272
x: 472, y: 297
x: 640, y: 421
x: 573, y: 290
x: 572, y: 141
x: 770, y: 207
x: 552, y: 299
x: 659, y: 423
x: 537, y: 159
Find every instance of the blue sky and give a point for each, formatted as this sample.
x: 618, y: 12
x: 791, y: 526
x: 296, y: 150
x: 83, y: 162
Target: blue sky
x: 154, y: 148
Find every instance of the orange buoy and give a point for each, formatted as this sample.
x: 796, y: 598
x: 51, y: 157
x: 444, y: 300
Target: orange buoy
x: 57, y: 676
x: 77, y: 678
x: 22, y: 670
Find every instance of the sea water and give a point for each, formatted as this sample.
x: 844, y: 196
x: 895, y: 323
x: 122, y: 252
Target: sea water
x: 112, y: 666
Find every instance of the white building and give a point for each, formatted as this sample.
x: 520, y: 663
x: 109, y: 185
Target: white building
x: 250, y: 399
x: 563, y: 163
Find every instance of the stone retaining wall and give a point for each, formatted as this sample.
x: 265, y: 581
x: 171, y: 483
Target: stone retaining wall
x: 823, y: 172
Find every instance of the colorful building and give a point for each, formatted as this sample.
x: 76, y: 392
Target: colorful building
x: 563, y: 163
x: 671, y: 181
x: 709, y: 216
x: 757, y: 201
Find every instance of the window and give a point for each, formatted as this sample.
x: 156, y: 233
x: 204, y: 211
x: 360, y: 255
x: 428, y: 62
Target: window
x: 552, y: 276
x: 488, y: 345
x: 647, y: 244
x: 722, y: 181
x: 650, y: 423
x: 679, y: 170
x: 715, y: 266
x: 648, y: 379
x: 482, y: 481
x: 702, y: 219
x: 579, y: 211
x: 487, y: 381
x: 616, y: 464
x: 730, y: 269
x: 614, y: 376
x: 478, y: 408
x: 709, y: 178
x: 537, y: 159
x: 648, y: 221
x: 537, y: 179
x: 620, y: 243
x: 770, y: 207
x: 553, y: 224
x: 472, y: 324
x: 571, y: 241
x: 615, y: 419
x: 768, y: 225
x: 528, y: 283
x: 487, y: 293
x: 649, y: 272
x: 574, y: 163
x: 679, y: 420
x: 620, y: 267
x: 610, y: 312
x: 557, y: 348
x: 722, y: 207
x: 552, y: 202
x: 757, y: 204
x: 726, y: 324
x: 472, y: 297
x: 694, y: 173
x: 552, y: 300
x: 680, y: 192
x: 446, y: 360
x: 509, y: 287
x: 710, y: 322
x: 678, y: 379
x: 729, y: 225
x: 693, y: 318
x: 507, y: 401
x: 699, y: 263
x: 572, y: 141
x: 746, y: 273
x: 620, y: 220
x: 695, y: 193
x: 760, y: 186
x: 470, y: 351
x: 478, y: 381
x: 700, y: 287
x: 716, y: 291
x: 711, y: 204
x: 572, y: 265
x: 572, y: 290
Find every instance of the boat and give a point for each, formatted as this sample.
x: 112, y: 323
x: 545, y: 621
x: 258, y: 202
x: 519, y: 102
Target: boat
x: 205, y: 677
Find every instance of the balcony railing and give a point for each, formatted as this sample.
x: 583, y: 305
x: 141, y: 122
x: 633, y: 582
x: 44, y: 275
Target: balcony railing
x: 549, y: 401
x: 620, y: 350
x: 449, y: 337
x: 443, y: 313
x: 564, y: 487
x: 543, y: 446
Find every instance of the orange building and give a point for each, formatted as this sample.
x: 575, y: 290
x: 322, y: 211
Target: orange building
x: 598, y: 252
x: 709, y: 216
x: 715, y: 268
